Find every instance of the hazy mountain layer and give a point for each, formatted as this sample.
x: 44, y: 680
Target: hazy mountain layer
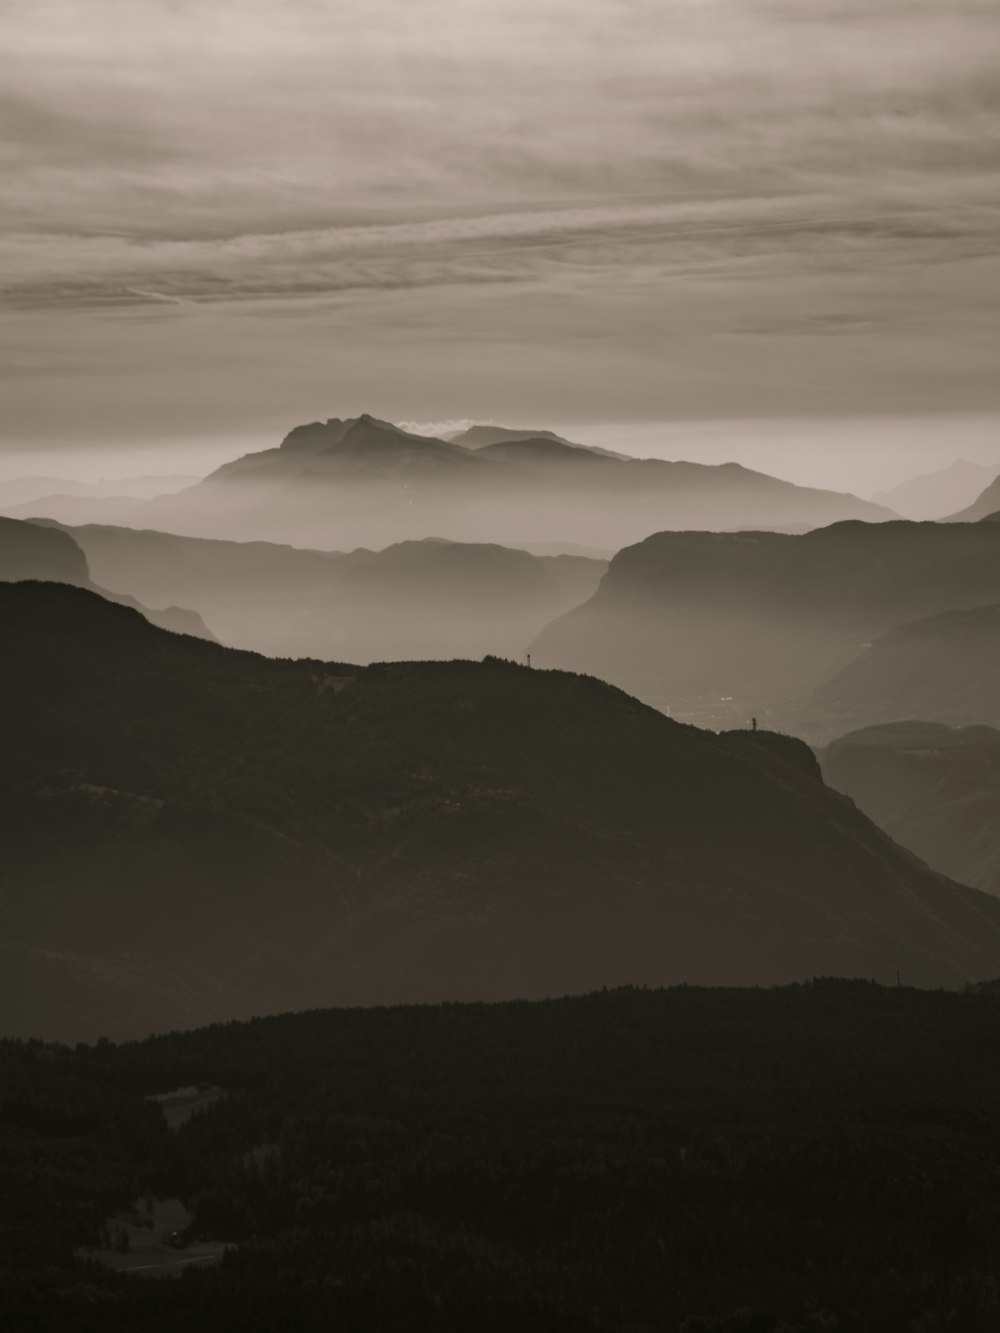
x: 940, y: 668
x: 33, y: 551
x: 429, y: 599
x: 721, y: 626
x: 193, y: 833
x: 933, y: 789
x: 934, y: 494
x: 17, y: 490
x: 476, y: 437
x: 985, y: 506
x: 72, y: 509
x: 339, y: 484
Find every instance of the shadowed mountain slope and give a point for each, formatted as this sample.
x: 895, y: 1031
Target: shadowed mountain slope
x: 477, y: 437
x: 941, y: 668
x: 192, y: 833
x: 985, y: 506
x: 934, y: 789
x: 338, y: 484
x: 413, y: 600
x: 934, y: 494
x: 721, y: 626
x: 34, y: 551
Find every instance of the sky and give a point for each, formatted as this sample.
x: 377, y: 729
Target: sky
x: 709, y: 225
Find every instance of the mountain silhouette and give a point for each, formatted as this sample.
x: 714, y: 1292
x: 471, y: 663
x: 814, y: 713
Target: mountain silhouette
x: 476, y: 437
x: 934, y: 789
x: 71, y: 509
x: 412, y: 600
x: 19, y: 490
x: 33, y: 551
x: 939, y: 668
x: 934, y: 494
x: 721, y: 626
x: 239, y: 835
x: 984, y: 506
x: 364, y: 482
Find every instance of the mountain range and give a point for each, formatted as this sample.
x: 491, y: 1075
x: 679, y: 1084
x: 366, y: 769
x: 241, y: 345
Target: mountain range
x: 939, y: 668
x: 719, y: 627
x: 18, y: 490
x: 934, y: 789
x: 363, y: 482
x: 428, y: 599
x: 985, y: 506
x: 934, y: 494
x: 195, y: 833
x: 31, y: 551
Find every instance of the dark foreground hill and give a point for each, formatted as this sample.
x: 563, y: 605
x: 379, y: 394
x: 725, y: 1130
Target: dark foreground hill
x: 730, y: 625
x: 363, y: 482
x: 192, y: 832
x: 427, y: 599
x: 933, y: 788
x: 30, y: 551
x: 816, y: 1159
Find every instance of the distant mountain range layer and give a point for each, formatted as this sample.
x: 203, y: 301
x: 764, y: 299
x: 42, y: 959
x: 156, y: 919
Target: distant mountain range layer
x: 194, y: 833
x: 363, y: 482
x: 935, y: 789
x: 31, y: 551
x: 941, y: 668
x: 429, y: 599
x: 725, y: 625
x: 18, y: 490
x: 936, y: 494
x: 985, y: 506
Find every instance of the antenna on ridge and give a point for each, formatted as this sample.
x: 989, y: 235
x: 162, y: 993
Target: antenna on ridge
x: 528, y: 655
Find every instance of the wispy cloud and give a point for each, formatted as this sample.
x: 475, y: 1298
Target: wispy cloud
x: 816, y: 232
x: 719, y: 201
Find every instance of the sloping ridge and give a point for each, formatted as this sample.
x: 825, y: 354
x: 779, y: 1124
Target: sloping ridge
x: 984, y: 507
x: 940, y: 668
x: 770, y: 614
x: 240, y: 835
x: 934, y: 788
x: 359, y: 443
x: 42, y: 551
x: 365, y: 482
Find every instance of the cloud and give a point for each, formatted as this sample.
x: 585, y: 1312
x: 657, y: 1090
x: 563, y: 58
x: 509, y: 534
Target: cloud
x: 581, y: 245
x: 661, y: 205
x: 441, y: 429
x: 183, y: 119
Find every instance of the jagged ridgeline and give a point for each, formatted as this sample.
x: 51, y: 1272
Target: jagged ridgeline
x: 815, y: 627
x: 419, y: 599
x: 365, y: 482
x: 194, y: 833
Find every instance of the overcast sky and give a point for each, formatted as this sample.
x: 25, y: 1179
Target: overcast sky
x: 222, y: 217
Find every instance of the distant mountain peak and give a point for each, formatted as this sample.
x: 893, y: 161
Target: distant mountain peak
x: 320, y: 437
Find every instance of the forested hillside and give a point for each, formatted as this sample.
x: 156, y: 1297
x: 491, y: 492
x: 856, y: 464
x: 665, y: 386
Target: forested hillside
x: 812, y: 1159
x: 193, y: 833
